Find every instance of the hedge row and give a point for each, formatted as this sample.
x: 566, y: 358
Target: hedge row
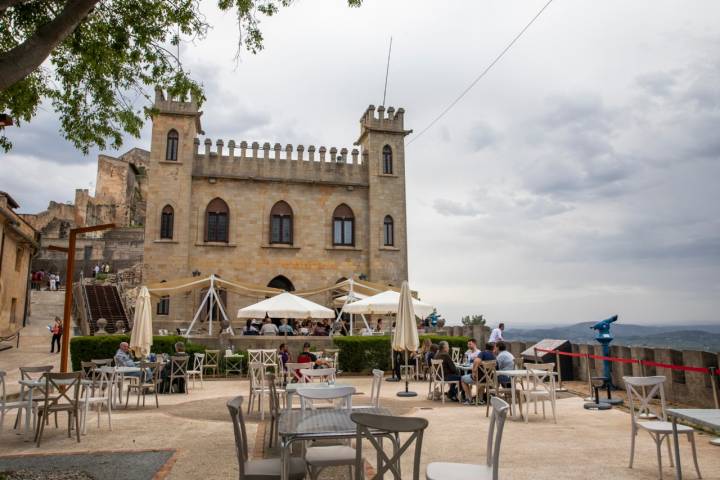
x: 84, y: 349
x: 362, y: 354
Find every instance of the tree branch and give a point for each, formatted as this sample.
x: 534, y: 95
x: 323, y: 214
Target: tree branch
x: 25, y: 58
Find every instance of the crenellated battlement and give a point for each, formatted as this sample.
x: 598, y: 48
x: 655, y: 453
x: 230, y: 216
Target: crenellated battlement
x: 165, y: 103
x: 278, y: 162
x: 381, y: 118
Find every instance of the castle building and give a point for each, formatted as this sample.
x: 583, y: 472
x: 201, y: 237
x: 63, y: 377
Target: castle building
x: 289, y: 217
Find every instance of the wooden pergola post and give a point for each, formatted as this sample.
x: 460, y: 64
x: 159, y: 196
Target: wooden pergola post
x: 69, y: 273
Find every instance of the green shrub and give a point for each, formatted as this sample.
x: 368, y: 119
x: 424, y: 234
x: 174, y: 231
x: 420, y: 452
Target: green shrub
x: 84, y: 349
x: 360, y: 354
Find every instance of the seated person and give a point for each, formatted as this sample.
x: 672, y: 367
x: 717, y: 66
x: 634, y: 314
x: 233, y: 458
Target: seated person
x: 320, y: 330
x: 505, y: 361
x: 249, y: 328
x: 469, y: 379
x: 285, y: 329
x: 268, y: 327
x: 449, y: 369
x: 431, y: 353
x: 472, y: 352
x: 123, y: 358
x: 308, y: 357
x: 304, y: 328
x: 165, y: 372
x: 379, y: 326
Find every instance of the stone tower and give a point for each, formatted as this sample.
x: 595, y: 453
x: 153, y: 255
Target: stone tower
x: 380, y: 129
x: 170, y: 184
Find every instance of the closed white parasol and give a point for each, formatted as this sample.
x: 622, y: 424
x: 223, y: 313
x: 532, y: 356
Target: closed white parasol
x: 141, y: 338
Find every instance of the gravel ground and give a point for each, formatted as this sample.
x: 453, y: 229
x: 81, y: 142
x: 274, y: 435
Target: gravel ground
x: 45, y: 475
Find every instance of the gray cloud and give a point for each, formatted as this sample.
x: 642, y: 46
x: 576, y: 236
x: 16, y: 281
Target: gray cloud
x: 452, y: 208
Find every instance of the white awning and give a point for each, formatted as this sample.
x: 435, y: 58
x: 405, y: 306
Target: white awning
x: 386, y: 303
x: 285, y: 305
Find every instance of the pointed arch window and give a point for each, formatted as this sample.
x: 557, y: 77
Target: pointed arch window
x: 167, y: 219
x: 388, y: 231
x: 217, y: 221
x: 343, y: 226
x: 281, y: 223
x: 163, y: 306
x: 387, y: 160
x: 171, y: 150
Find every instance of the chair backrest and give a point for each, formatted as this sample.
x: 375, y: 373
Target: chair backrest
x: 274, y: 399
x: 375, y: 388
x: 241, y: 442
x: 455, y: 354
x: 270, y: 357
x: 540, y: 375
x: 497, y: 422
x: 293, y: 368
x: 486, y: 373
x: 321, y: 374
x: 154, y: 368
x: 178, y: 365
x: 103, y: 361
x: 518, y: 362
x: 309, y: 395
x: 34, y: 373
x: 211, y: 358
x: 67, y: 386
x: 255, y: 356
x: 642, y: 390
x: 369, y: 425
x: 199, y: 361
x: 436, y: 371
x: 88, y: 370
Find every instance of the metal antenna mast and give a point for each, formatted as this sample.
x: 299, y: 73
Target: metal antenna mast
x: 387, y: 71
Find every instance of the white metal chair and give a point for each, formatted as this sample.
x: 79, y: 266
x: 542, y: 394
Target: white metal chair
x: 5, y: 405
x: 271, y: 360
x: 258, y: 387
x: 463, y: 471
x: 265, y: 469
x: 540, y: 386
x: 197, y: 370
x: 99, y: 394
x: 642, y: 390
x: 254, y: 356
x: 437, y: 379
x: 319, y: 457
x: 309, y: 375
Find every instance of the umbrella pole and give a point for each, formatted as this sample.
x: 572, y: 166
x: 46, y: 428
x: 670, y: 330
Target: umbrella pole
x: 406, y: 393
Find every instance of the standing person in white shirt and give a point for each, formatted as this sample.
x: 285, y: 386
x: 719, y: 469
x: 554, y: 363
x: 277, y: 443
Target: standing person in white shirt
x: 497, y: 334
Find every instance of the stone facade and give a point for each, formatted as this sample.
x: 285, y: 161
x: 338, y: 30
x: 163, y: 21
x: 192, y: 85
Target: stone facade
x: 251, y: 178
x: 120, y: 192
x: 18, y: 243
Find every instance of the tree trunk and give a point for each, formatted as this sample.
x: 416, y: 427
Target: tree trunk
x: 21, y: 61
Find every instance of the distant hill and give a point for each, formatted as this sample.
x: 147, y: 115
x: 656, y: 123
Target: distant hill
x: 684, y: 337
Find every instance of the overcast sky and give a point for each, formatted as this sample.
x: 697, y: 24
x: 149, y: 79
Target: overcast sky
x: 577, y: 180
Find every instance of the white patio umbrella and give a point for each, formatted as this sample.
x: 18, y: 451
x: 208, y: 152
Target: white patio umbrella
x: 141, y: 338
x: 285, y: 305
x: 405, y: 337
x: 386, y: 303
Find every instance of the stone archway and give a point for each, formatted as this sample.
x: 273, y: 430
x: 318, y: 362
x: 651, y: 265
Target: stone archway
x: 283, y: 283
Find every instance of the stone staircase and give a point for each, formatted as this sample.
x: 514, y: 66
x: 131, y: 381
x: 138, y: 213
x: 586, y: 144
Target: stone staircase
x: 103, y: 301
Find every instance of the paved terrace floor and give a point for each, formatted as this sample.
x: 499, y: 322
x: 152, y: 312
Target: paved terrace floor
x: 583, y: 444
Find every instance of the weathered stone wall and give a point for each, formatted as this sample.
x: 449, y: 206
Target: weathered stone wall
x: 17, y: 245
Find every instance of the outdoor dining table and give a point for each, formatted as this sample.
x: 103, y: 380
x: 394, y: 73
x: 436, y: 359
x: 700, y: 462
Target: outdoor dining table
x: 30, y: 386
x: 323, y: 423
x: 707, y: 417
x: 292, y: 388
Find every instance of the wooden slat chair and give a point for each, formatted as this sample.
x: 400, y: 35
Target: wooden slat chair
x: 369, y: 426
x: 463, y: 471
x: 67, y: 400
x: 437, y: 379
x: 212, y: 360
x: 6, y: 405
x: 99, y: 394
x: 178, y: 370
x: 640, y: 391
x: 455, y: 354
x: 33, y: 374
x: 495, y: 389
x: 150, y: 383
x: 484, y: 380
x: 265, y: 469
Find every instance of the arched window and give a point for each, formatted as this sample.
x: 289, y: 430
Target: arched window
x: 217, y: 221
x: 282, y: 282
x: 172, y: 145
x: 166, y: 222
x: 343, y: 226
x: 388, y: 231
x: 163, y: 306
x: 281, y: 223
x: 387, y: 160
